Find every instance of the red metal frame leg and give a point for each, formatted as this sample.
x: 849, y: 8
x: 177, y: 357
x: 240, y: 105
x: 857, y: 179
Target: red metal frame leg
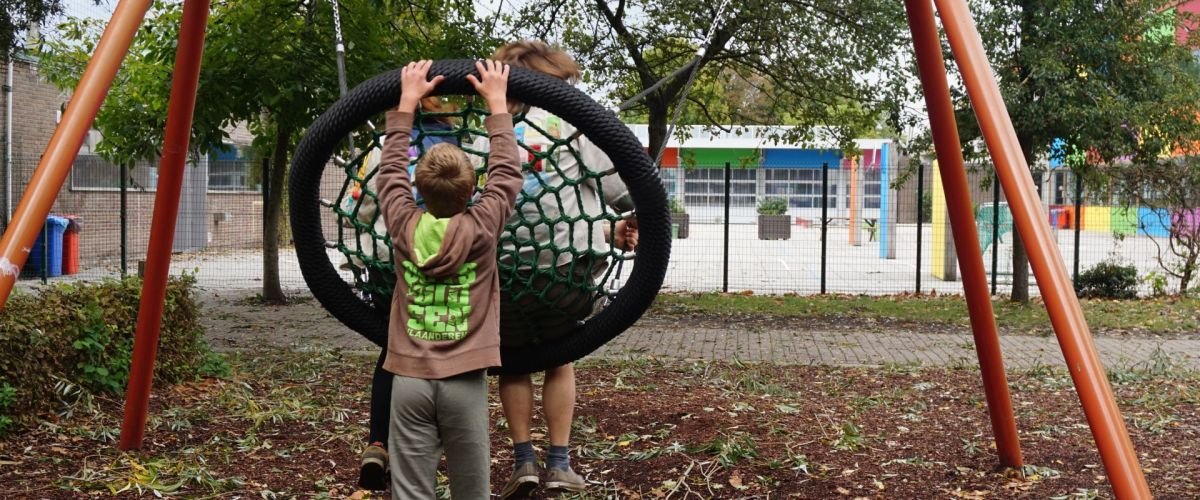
x: 64, y: 144
x: 966, y: 239
x: 1112, y: 439
x: 162, y: 227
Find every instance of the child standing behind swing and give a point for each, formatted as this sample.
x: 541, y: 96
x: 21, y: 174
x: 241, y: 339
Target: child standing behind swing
x: 444, y: 330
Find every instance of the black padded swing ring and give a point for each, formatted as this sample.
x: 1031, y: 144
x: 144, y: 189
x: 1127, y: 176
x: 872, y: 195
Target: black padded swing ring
x: 600, y: 125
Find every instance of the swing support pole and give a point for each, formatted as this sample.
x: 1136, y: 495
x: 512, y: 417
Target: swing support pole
x: 162, y: 227
x: 1066, y: 315
x: 966, y: 239
x: 64, y: 145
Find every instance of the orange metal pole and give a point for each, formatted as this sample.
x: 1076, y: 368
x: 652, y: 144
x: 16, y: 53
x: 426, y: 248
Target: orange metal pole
x: 64, y: 145
x: 1112, y: 439
x: 162, y: 227
x: 853, y: 221
x: 966, y: 240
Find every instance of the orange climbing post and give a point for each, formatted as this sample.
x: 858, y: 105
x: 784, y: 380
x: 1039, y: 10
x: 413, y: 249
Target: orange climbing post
x: 64, y: 145
x: 1066, y: 316
x: 162, y: 227
x: 966, y: 240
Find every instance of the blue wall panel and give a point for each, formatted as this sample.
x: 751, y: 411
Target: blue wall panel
x: 801, y: 158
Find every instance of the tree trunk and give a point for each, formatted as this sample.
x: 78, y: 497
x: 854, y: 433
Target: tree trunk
x: 657, y: 117
x: 272, y: 291
x: 1186, y: 278
x: 1020, y: 260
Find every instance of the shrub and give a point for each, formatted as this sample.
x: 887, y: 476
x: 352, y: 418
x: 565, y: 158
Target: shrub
x: 677, y: 206
x: 83, y: 334
x: 926, y: 207
x: 1108, y: 280
x: 772, y: 206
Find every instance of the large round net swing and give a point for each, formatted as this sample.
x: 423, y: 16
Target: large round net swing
x: 560, y: 301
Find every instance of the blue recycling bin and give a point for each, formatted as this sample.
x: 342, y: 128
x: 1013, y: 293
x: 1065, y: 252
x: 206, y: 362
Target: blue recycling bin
x: 55, y: 227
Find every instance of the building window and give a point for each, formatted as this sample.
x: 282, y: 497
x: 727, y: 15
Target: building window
x: 91, y: 172
x: 705, y: 187
x: 231, y: 170
x: 871, y: 188
x: 801, y: 187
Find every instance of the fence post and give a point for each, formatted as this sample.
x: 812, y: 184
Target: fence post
x: 920, y: 217
x: 725, y: 268
x: 824, y: 220
x: 1078, y: 222
x: 124, y: 219
x: 995, y: 227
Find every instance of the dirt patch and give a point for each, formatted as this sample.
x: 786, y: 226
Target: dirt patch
x: 291, y: 424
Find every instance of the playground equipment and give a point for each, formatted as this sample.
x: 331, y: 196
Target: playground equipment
x: 1104, y: 418
x: 533, y: 287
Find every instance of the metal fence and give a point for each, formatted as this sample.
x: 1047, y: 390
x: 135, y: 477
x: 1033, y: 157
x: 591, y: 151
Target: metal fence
x: 841, y: 230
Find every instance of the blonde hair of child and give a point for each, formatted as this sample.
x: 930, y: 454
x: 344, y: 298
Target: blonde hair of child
x: 539, y: 56
x: 446, y: 180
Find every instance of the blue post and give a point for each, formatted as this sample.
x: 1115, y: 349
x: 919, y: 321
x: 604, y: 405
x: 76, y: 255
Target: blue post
x: 884, y: 213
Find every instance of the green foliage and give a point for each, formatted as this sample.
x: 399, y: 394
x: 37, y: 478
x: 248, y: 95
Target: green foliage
x: 927, y: 206
x: 772, y: 205
x: 744, y: 76
x: 1108, y: 280
x: 677, y: 206
x: 8, y: 394
x: 103, y: 360
x: 268, y: 65
x: 1157, y: 282
x: 18, y: 15
x: 1104, y: 78
x: 82, y: 334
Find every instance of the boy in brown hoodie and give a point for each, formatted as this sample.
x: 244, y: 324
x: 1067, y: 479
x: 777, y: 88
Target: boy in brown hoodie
x: 444, y: 330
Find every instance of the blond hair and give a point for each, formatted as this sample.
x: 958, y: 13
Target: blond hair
x: 539, y: 56
x: 434, y: 104
x: 445, y: 179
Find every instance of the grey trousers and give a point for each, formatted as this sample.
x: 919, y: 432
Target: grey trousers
x: 429, y: 416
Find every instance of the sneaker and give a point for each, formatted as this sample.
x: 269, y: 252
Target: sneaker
x: 373, y: 474
x: 523, y: 481
x: 564, y: 480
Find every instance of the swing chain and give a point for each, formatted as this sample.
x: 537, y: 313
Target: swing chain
x: 337, y: 28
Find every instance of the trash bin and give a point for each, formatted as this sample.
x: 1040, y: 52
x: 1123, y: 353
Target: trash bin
x: 1056, y: 218
x: 70, y: 252
x: 55, y: 226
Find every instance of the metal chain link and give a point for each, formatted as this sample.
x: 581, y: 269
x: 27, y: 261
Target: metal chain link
x: 337, y: 27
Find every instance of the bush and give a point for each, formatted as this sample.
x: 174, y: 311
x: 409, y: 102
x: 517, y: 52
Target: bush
x: 83, y: 334
x: 772, y: 206
x: 677, y: 206
x: 926, y: 207
x: 1108, y: 280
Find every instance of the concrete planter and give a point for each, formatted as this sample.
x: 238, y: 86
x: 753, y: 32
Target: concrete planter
x: 679, y: 225
x: 774, y: 227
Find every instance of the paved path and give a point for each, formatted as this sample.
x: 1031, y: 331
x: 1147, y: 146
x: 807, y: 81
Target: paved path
x: 851, y: 347
x: 234, y: 323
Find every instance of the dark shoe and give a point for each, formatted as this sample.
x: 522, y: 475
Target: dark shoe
x: 373, y: 474
x: 564, y: 480
x: 523, y: 481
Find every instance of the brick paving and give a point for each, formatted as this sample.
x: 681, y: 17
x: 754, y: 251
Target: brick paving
x: 875, y: 348
x: 233, y: 323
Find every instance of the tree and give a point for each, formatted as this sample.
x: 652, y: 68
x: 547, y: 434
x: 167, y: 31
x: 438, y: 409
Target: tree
x: 268, y: 63
x: 19, y: 15
x: 1085, y: 72
x: 820, y: 63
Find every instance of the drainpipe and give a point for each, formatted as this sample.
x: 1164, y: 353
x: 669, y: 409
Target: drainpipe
x: 8, y: 128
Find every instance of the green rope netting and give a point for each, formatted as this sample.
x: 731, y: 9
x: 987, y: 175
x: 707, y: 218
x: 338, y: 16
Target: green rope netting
x: 545, y: 280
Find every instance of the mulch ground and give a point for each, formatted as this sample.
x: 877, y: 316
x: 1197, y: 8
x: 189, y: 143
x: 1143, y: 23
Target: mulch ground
x: 289, y: 424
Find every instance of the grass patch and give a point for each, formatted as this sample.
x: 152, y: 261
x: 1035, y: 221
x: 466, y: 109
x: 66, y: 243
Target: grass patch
x: 1163, y: 316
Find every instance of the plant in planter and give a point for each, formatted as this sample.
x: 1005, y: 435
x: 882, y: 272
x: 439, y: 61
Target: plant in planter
x: 773, y: 223
x: 679, y: 218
